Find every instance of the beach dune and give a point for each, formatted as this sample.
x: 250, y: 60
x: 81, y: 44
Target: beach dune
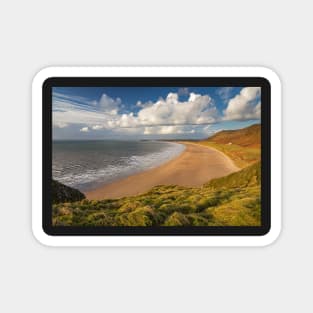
x: 194, y: 167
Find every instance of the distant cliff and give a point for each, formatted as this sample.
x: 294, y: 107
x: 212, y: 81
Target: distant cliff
x: 63, y: 193
x: 243, y: 146
x: 245, y: 137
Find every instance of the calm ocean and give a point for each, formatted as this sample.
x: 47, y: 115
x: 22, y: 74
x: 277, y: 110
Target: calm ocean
x: 87, y: 165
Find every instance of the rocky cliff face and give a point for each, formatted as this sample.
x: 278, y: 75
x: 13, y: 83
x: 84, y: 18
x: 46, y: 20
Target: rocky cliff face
x: 62, y: 193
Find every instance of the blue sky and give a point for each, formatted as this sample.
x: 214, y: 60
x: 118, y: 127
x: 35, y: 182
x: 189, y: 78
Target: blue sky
x: 151, y: 112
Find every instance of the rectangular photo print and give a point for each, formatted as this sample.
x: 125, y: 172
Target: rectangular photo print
x: 153, y: 157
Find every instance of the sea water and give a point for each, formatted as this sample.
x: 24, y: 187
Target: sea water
x: 86, y: 165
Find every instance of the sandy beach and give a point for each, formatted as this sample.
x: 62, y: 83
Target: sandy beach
x: 194, y: 167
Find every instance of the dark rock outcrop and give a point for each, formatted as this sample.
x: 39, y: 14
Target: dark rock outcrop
x: 62, y: 193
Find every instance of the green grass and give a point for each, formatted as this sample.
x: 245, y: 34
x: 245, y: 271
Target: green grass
x: 243, y: 146
x: 233, y: 200
x: 242, y: 156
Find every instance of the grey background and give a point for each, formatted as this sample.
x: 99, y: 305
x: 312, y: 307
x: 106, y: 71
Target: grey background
x: 35, y: 34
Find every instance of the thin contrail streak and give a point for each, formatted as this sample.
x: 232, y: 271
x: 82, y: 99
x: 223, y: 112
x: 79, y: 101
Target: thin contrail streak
x: 154, y: 125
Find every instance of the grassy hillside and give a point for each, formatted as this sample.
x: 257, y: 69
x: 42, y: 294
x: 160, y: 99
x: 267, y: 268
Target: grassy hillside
x: 243, y: 146
x: 245, y: 137
x: 233, y: 200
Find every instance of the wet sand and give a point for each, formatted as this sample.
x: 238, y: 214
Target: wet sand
x: 195, y: 166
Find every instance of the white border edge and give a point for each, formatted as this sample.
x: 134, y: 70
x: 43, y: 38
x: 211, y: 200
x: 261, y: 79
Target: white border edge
x: 157, y: 241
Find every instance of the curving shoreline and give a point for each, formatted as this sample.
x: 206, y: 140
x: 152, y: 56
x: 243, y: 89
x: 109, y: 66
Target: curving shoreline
x: 195, y: 166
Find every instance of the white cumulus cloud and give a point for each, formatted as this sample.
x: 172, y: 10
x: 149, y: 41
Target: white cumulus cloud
x: 84, y: 130
x: 166, y: 130
x: 108, y: 104
x: 59, y: 124
x: 198, y: 109
x: 246, y: 105
x: 96, y: 127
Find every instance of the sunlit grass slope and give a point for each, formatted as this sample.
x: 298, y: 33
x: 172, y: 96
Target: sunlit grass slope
x: 243, y: 146
x: 233, y: 200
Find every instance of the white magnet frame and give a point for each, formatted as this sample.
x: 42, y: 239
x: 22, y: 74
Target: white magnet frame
x: 161, y: 240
